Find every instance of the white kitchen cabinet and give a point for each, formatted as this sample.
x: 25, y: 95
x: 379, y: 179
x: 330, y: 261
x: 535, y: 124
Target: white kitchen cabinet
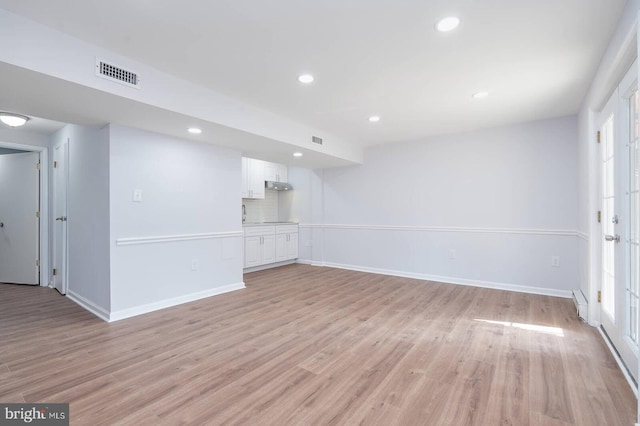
x: 268, y: 249
x: 252, y: 178
x: 265, y: 244
x: 252, y: 251
x: 259, y: 246
x: 292, y: 246
x: 275, y: 172
x: 281, y: 247
x: 286, y: 242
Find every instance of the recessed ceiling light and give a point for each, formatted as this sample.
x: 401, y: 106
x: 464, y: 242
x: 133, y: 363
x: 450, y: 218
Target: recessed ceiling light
x: 447, y: 24
x: 374, y: 118
x: 305, y: 78
x: 195, y: 130
x: 13, y: 120
x: 480, y: 95
x: 297, y: 154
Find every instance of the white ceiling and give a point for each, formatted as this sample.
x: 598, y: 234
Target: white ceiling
x: 536, y: 58
x: 41, y: 125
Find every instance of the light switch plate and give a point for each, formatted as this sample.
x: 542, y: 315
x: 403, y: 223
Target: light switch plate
x: 137, y: 195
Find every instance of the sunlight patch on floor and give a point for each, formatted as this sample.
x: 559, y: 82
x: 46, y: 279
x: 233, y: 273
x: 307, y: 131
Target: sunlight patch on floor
x: 556, y: 331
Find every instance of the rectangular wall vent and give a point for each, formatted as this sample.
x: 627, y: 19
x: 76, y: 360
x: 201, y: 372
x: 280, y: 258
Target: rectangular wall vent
x: 316, y: 139
x: 118, y: 74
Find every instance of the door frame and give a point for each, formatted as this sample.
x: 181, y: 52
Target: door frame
x: 44, y: 205
x: 63, y: 266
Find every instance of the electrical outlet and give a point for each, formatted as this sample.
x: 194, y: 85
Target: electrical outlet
x: 194, y: 264
x: 555, y: 261
x: 452, y: 254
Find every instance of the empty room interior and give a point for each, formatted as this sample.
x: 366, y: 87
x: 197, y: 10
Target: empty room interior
x: 320, y: 213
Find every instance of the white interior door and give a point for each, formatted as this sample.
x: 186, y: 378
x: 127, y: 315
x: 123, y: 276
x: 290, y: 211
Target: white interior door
x: 619, y: 190
x: 60, y: 182
x: 19, y: 225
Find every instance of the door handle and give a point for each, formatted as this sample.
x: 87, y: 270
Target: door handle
x: 1, y: 224
x: 615, y: 238
x: 62, y: 218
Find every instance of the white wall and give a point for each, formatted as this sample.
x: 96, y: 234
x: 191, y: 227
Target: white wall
x: 23, y: 136
x: 504, y: 199
x: 189, y: 213
x: 88, y: 214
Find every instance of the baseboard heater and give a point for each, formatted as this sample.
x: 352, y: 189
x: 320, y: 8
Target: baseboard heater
x: 581, y: 304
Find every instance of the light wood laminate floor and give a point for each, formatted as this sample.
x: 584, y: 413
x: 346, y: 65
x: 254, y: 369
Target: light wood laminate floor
x: 307, y: 345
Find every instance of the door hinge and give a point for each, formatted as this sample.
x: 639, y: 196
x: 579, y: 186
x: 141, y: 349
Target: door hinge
x: 55, y: 164
x: 38, y: 263
x: 599, y: 216
x: 54, y: 271
x: 38, y: 215
x: 599, y: 296
x: 598, y: 136
x: 38, y: 166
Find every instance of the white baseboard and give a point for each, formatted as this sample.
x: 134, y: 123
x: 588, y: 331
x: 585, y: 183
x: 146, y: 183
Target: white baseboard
x: 88, y: 305
x: 620, y: 363
x: 309, y: 262
x: 449, y: 280
x: 268, y: 266
x: 167, y: 303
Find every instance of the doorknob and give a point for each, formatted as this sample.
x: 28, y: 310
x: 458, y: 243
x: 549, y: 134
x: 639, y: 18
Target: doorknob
x: 62, y: 218
x: 1, y: 224
x: 615, y: 238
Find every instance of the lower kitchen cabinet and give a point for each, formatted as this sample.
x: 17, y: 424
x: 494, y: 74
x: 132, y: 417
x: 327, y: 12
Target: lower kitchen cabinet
x: 270, y: 244
x: 259, y: 246
x: 281, y: 248
x: 286, y: 242
x: 292, y: 246
x: 259, y: 250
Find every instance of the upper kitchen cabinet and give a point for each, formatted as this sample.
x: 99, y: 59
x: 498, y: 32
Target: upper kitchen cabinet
x: 252, y: 178
x: 275, y: 172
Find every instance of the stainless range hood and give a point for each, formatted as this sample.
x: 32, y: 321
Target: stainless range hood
x: 278, y: 186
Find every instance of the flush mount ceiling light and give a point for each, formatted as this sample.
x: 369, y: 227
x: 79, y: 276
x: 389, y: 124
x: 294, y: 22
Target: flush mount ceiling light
x: 374, y: 118
x: 480, y: 95
x: 447, y: 24
x: 305, y: 78
x: 195, y: 130
x: 297, y: 154
x: 13, y: 120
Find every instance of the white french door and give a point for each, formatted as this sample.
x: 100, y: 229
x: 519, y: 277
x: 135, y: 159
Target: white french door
x: 619, y: 187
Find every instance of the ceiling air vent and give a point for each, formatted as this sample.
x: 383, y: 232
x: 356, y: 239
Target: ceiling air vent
x: 118, y: 74
x: 316, y: 139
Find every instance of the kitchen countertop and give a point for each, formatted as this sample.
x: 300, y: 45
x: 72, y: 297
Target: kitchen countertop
x: 268, y: 223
